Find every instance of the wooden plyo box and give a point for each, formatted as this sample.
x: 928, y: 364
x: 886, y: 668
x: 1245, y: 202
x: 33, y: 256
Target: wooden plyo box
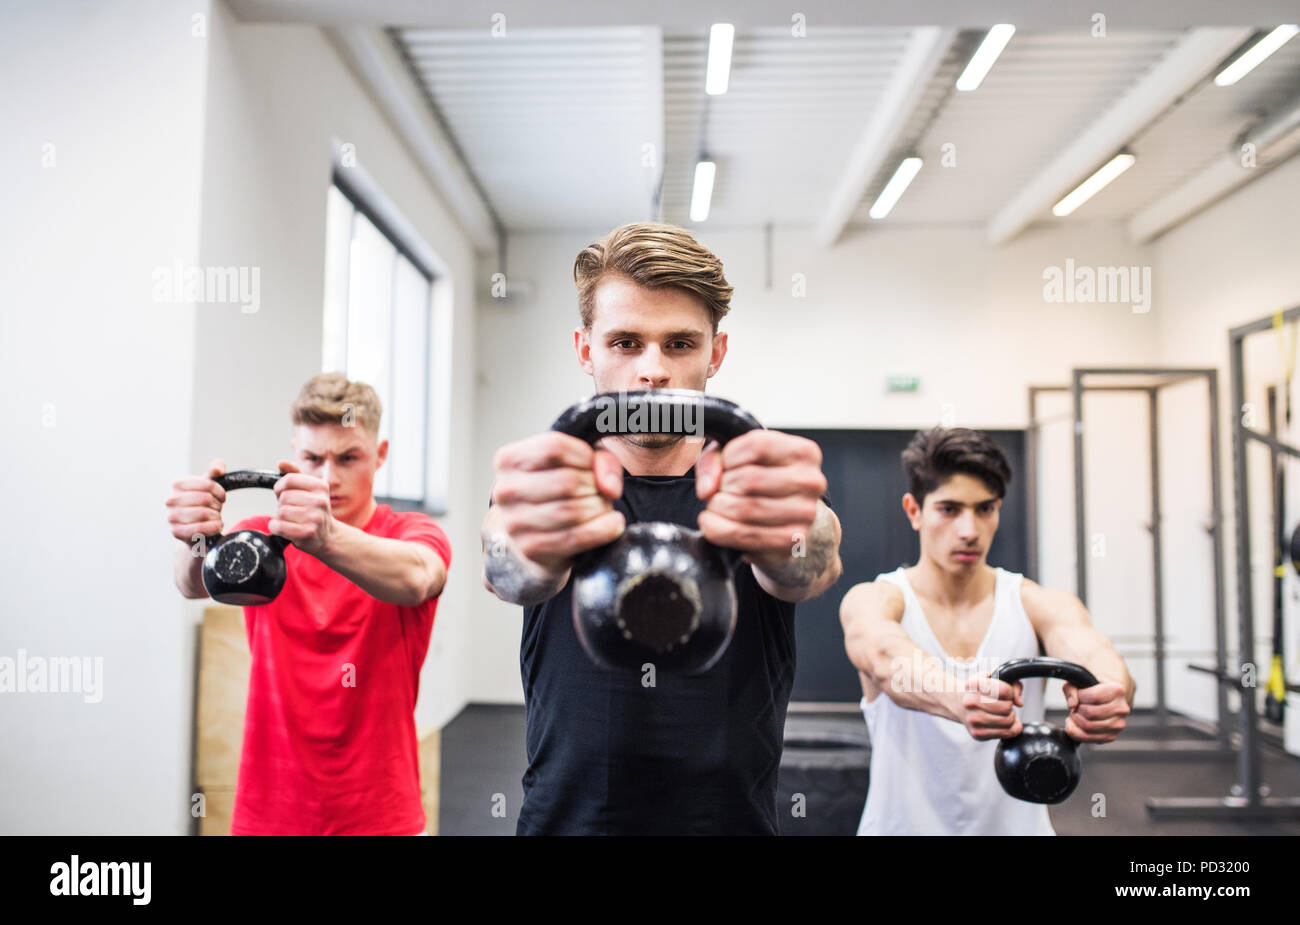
x: 223, y: 690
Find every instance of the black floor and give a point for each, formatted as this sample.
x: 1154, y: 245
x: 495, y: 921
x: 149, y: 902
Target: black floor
x: 483, y: 762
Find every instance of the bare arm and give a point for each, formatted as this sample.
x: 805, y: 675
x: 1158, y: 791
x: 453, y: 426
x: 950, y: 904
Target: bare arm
x: 812, y: 565
x: 194, y: 517
x: 871, y: 615
x: 187, y: 569
x: 1062, y: 624
x: 508, y: 574
x: 395, y: 571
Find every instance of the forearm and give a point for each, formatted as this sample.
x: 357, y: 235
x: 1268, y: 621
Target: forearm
x: 514, y: 578
x: 390, y: 570
x: 1091, y: 648
x: 808, y: 568
x: 909, y: 676
x: 187, y: 570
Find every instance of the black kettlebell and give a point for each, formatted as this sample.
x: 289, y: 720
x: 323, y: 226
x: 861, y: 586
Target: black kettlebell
x: 660, y: 593
x: 245, y: 568
x: 1041, y: 765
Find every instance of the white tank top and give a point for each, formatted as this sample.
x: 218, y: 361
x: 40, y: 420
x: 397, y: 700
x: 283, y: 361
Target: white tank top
x: 928, y: 776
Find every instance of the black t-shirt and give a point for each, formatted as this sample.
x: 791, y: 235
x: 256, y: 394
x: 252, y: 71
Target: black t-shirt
x: 691, y: 755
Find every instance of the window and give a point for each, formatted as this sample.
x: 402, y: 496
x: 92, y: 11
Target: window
x: 381, y: 327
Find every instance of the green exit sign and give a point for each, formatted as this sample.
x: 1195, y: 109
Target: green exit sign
x: 902, y: 383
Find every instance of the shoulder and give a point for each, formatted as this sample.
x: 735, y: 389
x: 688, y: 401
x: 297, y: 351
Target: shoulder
x: 881, y: 599
x: 1042, y: 602
x: 413, y: 526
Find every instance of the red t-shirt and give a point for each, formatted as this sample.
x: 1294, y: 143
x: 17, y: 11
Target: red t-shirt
x: 329, y: 729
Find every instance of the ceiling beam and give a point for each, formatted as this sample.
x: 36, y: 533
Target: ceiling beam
x: 1063, y: 15
x: 924, y: 53
x: 1182, y: 68
x: 371, y: 55
x: 1273, y: 139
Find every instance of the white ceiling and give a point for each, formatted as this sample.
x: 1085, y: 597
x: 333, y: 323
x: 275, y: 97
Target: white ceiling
x: 553, y: 123
x: 556, y: 123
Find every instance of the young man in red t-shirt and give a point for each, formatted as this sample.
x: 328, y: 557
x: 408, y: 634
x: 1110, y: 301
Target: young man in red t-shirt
x: 329, y: 729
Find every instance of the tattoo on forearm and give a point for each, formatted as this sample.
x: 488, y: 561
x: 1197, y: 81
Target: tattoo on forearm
x: 510, y: 578
x: 808, y: 559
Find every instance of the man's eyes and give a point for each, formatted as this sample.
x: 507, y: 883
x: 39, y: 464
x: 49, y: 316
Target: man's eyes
x: 677, y: 344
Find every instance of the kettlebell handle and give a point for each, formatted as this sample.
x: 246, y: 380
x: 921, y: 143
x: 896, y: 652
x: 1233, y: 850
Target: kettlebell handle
x: 1044, y: 667
x: 667, y: 411
x: 248, y: 478
x: 254, y: 478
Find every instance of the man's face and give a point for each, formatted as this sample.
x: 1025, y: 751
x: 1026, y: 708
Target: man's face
x: 957, y: 522
x: 345, y: 457
x: 648, y: 339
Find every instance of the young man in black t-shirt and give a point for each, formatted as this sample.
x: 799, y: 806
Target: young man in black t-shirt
x: 608, y: 753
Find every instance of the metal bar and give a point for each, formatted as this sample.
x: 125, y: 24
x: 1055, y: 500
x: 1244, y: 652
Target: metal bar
x: 1216, y: 537
x: 1167, y: 377
x: 1247, y: 753
x: 1153, y: 409
x: 1031, y: 487
x: 1158, y: 750
x: 1080, y: 527
x: 1263, y: 324
x: 1188, y: 371
x: 1093, y: 388
x: 1271, y: 808
x: 1270, y: 442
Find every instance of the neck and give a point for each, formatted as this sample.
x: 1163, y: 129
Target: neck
x: 953, y: 588
x: 674, y: 459
x: 360, y: 519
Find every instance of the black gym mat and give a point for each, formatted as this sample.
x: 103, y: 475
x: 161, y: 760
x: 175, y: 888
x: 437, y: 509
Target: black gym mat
x: 483, y: 762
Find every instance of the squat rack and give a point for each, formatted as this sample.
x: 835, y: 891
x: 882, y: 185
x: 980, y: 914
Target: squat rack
x: 1163, y: 376
x: 1248, y: 798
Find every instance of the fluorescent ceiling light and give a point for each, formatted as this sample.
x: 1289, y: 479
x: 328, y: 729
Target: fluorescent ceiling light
x: 982, y: 61
x: 703, y: 192
x: 1094, y: 184
x: 894, y: 189
x: 721, y: 35
x: 1255, y: 55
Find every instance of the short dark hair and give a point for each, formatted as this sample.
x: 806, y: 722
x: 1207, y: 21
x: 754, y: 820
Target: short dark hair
x: 934, y: 456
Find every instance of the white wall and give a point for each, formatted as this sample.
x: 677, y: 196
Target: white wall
x: 278, y: 96
x: 169, y: 148
x: 970, y: 320
x: 1232, y: 264
x: 96, y: 381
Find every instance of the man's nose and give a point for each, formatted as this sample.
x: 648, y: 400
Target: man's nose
x: 329, y: 474
x: 652, y: 372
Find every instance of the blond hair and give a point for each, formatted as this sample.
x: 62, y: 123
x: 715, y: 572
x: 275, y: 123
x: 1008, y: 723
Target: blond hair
x: 331, y: 398
x: 654, y: 255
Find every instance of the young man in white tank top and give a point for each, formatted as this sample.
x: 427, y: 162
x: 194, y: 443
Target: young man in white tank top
x: 925, y: 639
